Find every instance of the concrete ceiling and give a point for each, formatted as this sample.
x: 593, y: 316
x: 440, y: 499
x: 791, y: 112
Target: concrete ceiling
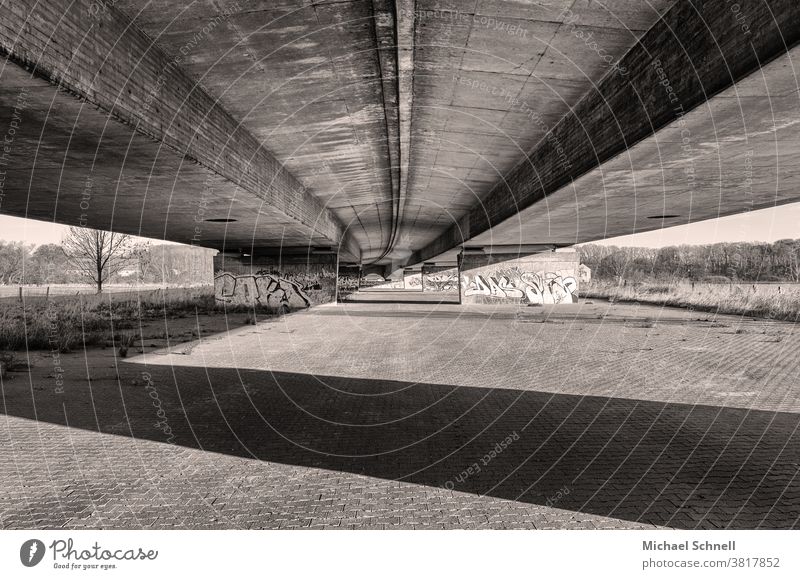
x: 491, y: 78
x: 736, y: 153
x: 306, y: 79
x: 379, y: 127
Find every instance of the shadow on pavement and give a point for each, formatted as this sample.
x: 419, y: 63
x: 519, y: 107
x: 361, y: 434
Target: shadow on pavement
x: 666, y: 464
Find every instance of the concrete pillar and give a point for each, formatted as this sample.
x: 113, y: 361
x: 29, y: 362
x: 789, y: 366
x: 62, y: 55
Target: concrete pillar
x: 281, y: 280
x: 503, y: 276
x: 347, y: 281
x: 412, y: 279
x: 440, y: 278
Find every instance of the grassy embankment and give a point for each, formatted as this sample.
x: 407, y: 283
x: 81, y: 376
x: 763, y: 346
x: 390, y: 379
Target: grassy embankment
x: 772, y: 301
x: 65, y: 323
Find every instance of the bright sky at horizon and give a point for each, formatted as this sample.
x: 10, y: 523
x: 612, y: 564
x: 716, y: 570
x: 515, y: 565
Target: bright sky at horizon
x: 765, y: 225
x: 37, y: 232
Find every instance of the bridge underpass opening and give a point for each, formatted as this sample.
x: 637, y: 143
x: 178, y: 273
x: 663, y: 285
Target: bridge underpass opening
x: 395, y: 191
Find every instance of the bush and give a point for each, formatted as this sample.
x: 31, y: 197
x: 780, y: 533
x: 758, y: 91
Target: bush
x: 736, y: 299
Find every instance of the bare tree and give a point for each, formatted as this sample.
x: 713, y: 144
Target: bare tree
x: 13, y: 256
x: 98, y: 255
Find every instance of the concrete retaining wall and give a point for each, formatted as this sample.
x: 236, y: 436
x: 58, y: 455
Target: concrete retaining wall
x: 412, y: 280
x: 440, y: 278
x: 543, y: 278
x: 347, y: 282
x: 284, y: 282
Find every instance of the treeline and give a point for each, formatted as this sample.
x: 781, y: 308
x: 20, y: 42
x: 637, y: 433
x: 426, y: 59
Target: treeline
x: 720, y: 262
x: 24, y: 264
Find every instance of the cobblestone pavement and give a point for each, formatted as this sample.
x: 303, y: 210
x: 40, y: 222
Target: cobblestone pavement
x: 417, y: 416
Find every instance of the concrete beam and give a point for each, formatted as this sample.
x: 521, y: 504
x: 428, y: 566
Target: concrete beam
x: 94, y: 52
x: 702, y: 47
x: 384, y: 20
x: 406, y: 22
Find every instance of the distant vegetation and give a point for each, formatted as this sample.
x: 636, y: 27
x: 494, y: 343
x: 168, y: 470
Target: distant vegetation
x: 752, y: 279
x: 65, y: 320
x: 718, y: 263
x: 23, y: 264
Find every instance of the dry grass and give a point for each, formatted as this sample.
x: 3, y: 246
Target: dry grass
x: 65, y: 323
x: 756, y: 300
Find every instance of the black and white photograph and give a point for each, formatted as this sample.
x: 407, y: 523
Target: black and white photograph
x: 494, y: 287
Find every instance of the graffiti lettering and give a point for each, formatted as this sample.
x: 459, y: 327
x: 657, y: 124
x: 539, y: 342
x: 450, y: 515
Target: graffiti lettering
x: 533, y: 288
x: 260, y: 288
x: 440, y: 280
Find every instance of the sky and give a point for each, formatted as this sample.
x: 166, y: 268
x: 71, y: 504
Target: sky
x: 34, y: 232
x: 764, y: 225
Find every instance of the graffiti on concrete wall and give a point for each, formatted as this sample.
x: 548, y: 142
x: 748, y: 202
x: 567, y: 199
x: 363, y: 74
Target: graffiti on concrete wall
x: 529, y: 287
x: 412, y: 280
x: 262, y: 289
x: 347, y: 282
x: 443, y: 280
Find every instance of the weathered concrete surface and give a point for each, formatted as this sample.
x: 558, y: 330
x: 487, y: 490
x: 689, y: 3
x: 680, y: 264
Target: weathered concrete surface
x: 736, y: 153
x: 412, y: 279
x: 90, y: 51
x: 311, y: 81
x: 347, y: 281
x: 440, y: 278
x: 284, y: 282
x: 492, y: 78
x: 538, y: 279
x: 696, y: 51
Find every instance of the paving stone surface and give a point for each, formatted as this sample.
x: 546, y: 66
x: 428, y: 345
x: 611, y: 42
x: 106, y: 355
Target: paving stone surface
x: 387, y: 416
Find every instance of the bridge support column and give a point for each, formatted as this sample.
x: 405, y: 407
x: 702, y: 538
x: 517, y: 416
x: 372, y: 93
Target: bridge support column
x: 412, y: 279
x: 347, y: 281
x: 285, y: 279
x: 500, y: 275
x: 440, y: 278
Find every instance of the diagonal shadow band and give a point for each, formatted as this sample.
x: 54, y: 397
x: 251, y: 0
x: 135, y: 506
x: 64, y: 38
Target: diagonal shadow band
x: 659, y: 463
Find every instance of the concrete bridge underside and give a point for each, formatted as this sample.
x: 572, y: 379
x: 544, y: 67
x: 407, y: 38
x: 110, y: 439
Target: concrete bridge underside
x: 395, y: 133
